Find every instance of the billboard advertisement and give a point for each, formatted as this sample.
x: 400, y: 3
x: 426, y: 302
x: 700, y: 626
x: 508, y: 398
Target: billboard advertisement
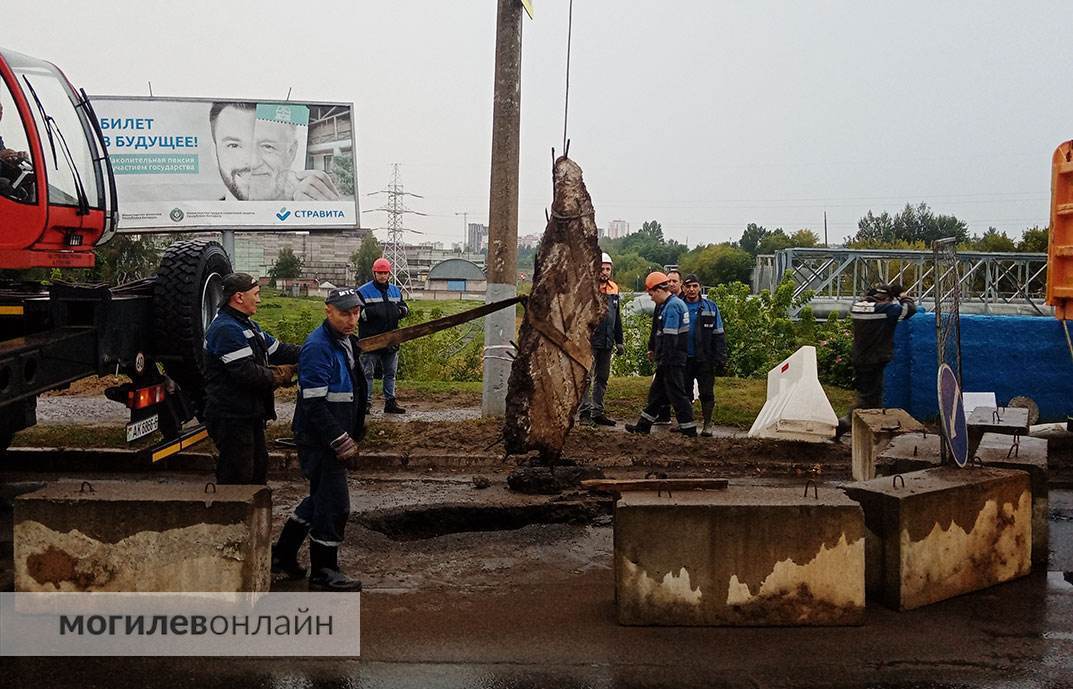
x: 183, y: 164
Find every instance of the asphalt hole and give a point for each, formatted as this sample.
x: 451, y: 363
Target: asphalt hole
x: 412, y: 524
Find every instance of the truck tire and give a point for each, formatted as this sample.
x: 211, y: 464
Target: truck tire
x: 186, y: 295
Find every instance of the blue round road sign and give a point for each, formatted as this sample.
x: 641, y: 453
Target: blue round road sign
x: 952, y: 415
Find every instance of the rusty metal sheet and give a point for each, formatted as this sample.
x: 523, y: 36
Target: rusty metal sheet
x: 550, y: 373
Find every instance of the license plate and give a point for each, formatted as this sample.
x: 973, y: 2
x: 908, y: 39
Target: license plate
x: 140, y: 429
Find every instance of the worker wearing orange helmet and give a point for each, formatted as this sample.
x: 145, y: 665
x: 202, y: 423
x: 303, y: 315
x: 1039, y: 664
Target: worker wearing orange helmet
x: 671, y: 350
x: 382, y: 309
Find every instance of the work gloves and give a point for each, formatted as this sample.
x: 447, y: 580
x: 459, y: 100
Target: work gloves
x: 283, y: 375
x: 345, y: 448
x: 620, y: 349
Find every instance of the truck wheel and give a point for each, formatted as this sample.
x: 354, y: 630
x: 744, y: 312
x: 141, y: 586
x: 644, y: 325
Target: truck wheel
x: 187, y: 293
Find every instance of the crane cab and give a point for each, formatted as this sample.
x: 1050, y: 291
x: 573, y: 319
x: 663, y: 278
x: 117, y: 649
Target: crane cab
x: 57, y: 191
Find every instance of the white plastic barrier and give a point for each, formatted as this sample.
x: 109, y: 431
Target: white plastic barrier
x: 797, y: 408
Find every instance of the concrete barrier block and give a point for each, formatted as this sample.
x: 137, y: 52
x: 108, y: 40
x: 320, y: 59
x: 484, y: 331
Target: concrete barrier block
x: 141, y: 536
x: 743, y: 556
x: 943, y: 532
x: 918, y: 451
x: 872, y: 431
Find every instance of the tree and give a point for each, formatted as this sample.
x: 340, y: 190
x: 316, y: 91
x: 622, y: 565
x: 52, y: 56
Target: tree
x: 1034, y: 240
x: 287, y: 266
x: 650, y: 229
x: 717, y: 264
x: 993, y: 240
x: 804, y: 238
x: 773, y: 242
x: 751, y: 238
x: 913, y: 224
x: 368, y: 251
x: 126, y: 257
x: 630, y: 270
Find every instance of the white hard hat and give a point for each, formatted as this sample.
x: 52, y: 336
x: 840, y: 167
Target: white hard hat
x: 606, y: 258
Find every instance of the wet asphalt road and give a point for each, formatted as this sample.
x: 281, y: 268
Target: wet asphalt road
x: 1018, y: 635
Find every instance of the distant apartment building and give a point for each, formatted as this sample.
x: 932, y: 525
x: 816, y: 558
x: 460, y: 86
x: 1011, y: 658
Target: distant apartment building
x: 617, y: 229
x: 476, y: 237
x: 324, y: 255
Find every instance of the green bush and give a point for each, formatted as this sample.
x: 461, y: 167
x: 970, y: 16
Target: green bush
x: 760, y: 334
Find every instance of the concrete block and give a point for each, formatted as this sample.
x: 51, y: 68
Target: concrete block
x: 943, y: 532
x: 141, y: 536
x: 918, y: 451
x: 741, y: 556
x: 872, y: 431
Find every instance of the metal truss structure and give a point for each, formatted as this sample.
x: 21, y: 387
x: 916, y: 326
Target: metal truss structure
x: 988, y: 282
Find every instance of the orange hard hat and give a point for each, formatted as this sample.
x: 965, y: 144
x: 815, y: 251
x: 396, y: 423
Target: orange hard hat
x: 655, y: 279
x: 381, y: 265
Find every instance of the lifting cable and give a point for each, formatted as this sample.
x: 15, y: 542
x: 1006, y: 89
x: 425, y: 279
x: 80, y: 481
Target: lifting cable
x: 566, y: 105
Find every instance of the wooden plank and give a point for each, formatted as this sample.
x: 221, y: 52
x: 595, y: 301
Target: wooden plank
x: 667, y: 484
x: 394, y: 337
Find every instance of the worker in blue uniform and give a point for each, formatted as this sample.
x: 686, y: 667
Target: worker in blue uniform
x: 329, y: 421
x: 707, y: 354
x: 670, y: 353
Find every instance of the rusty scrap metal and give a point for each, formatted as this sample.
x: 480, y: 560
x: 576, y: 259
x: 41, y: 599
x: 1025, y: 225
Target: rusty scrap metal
x: 551, y: 370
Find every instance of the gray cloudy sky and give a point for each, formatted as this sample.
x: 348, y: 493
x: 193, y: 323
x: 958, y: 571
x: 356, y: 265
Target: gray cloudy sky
x: 703, y: 115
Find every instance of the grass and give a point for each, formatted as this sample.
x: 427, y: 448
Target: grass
x: 274, y: 308
x: 737, y: 400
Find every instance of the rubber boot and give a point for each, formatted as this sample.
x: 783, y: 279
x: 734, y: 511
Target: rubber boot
x: 285, y: 550
x: 642, y: 426
x: 324, y: 574
x: 706, y: 409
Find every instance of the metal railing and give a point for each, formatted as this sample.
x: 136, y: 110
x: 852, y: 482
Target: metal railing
x: 989, y: 281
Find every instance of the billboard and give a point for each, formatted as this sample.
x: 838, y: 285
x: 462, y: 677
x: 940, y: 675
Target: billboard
x: 195, y: 164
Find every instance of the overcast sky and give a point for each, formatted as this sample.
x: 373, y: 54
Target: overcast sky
x: 702, y: 115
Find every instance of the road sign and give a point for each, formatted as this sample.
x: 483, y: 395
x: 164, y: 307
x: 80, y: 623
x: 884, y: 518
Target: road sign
x: 952, y: 415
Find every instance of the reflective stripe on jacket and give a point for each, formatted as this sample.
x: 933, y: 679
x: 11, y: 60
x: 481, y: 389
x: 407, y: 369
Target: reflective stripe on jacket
x: 331, y: 393
x: 672, y: 333
x: 238, y: 380
x: 382, y: 306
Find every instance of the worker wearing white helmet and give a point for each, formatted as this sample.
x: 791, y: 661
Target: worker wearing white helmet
x: 606, y: 338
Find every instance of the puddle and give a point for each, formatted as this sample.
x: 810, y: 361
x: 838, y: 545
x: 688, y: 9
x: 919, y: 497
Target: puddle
x: 416, y: 523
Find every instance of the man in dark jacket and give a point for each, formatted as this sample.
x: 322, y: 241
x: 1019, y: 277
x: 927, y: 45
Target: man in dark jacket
x: 671, y: 352
x: 875, y: 318
x: 382, y: 307
x: 707, y: 348
x: 607, y: 337
x: 243, y: 365
x: 329, y: 421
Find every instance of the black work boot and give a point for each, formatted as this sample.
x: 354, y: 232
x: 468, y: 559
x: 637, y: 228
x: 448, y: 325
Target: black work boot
x: 285, y: 550
x: 690, y: 432
x: 642, y: 426
x: 706, y: 409
x: 664, y: 417
x: 392, y: 407
x: 842, y: 428
x: 324, y: 574
x: 602, y: 420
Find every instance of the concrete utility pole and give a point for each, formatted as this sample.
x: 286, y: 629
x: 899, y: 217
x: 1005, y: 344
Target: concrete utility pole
x: 502, y: 262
